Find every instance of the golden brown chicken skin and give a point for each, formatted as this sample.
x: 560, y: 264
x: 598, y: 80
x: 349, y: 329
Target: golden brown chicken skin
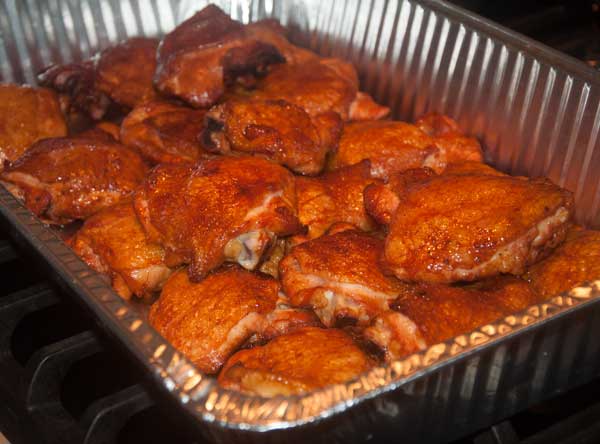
x: 63, y: 179
x: 577, y: 260
x: 333, y: 197
x: 394, y: 146
x: 113, y: 242
x: 319, y: 86
x: 103, y: 130
x: 222, y: 209
x: 307, y: 359
x: 121, y: 74
x: 207, y: 52
x: 164, y: 132
x: 26, y: 116
x: 274, y: 129
x: 339, y: 277
x: 463, y: 227
x: 450, y: 138
x: 441, y: 312
x: 209, y: 320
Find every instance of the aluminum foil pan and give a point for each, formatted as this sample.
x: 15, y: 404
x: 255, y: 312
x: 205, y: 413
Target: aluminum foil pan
x: 536, y: 111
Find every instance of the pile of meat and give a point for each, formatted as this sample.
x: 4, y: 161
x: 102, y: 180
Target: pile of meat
x: 286, y: 235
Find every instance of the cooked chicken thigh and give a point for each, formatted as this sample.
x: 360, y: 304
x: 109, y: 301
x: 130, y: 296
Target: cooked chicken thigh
x: 319, y: 86
x: 64, y: 179
x: 113, y: 242
x: 307, y: 359
x: 339, y: 277
x: 222, y: 209
x: 121, y: 74
x: 333, y: 197
x: 394, y: 146
x: 275, y: 129
x: 26, y: 116
x: 209, y: 320
x: 208, y: 51
x: 441, y: 312
x: 463, y: 227
x: 577, y: 260
x: 164, y: 132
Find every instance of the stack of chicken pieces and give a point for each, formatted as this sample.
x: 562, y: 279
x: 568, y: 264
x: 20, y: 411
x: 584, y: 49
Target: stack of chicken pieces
x: 294, y: 237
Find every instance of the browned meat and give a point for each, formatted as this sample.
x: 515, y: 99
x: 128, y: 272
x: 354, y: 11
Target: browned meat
x: 318, y: 86
x: 336, y: 196
x: 307, y: 359
x: 222, y: 209
x: 339, y: 277
x: 121, y: 74
x: 441, y: 312
x: 113, y: 242
x: 467, y: 226
x: 164, y: 132
x: 275, y: 129
x: 208, y: 51
x: 26, y: 116
x: 209, y: 320
x: 574, y: 262
x: 63, y: 179
x: 394, y: 146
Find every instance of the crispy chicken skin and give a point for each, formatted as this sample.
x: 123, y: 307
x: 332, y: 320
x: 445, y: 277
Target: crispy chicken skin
x: 208, y: 321
x: 333, y: 197
x: 394, y: 146
x: 121, y: 74
x: 463, y: 227
x: 222, y: 209
x: 113, y: 242
x: 26, y: 116
x: 441, y: 312
x: 275, y: 129
x: 103, y: 130
x: 577, y: 260
x: 63, y: 179
x: 205, y: 53
x: 164, y: 132
x: 339, y: 277
x: 450, y: 138
x: 307, y: 359
x: 318, y: 86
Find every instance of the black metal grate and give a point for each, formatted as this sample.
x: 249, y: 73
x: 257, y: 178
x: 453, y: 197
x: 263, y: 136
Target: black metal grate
x: 62, y: 383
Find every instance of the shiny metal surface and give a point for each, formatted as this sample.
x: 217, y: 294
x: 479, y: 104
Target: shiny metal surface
x: 537, y: 113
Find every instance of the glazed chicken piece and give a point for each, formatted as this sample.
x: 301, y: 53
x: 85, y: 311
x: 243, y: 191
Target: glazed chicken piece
x: 121, y: 74
x: 113, y: 242
x: 207, y: 52
x: 339, y: 277
x: 442, y: 312
x: 270, y: 31
x: 463, y: 227
x: 63, y: 179
x: 319, y: 86
x: 105, y: 131
x: 26, y: 116
x: 222, y: 209
x: 210, y: 320
x: 394, y: 146
x: 307, y: 359
x: 164, y: 132
x: 333, y: 197
x: 577, y: 260
x: 274, y: 129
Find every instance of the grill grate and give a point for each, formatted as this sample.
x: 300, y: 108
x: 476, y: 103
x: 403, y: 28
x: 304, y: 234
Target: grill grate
x: 62, y: 383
